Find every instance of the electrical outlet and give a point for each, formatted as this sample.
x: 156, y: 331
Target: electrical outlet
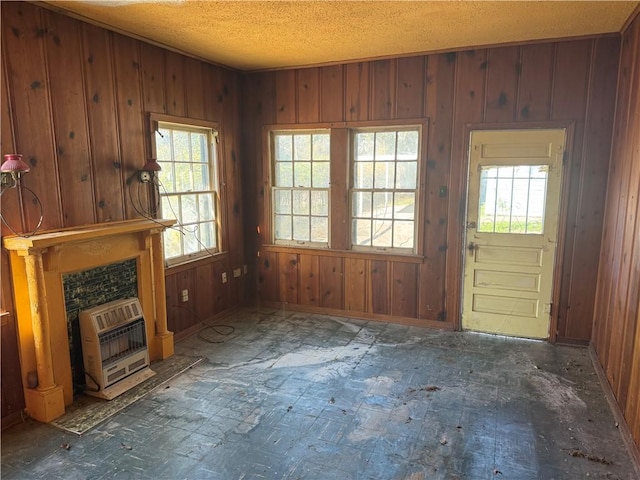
x: 244, y: 268
x: 237, y: 272
x: 224, y: 277
x: 185, y: 295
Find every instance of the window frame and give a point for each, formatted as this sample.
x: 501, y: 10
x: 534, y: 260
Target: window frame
x: 303, y: 130
x: 157, y: 121
x: 340, y: 213
x: 414, y: 249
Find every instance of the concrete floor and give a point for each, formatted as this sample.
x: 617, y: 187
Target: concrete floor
x: 300, y: 396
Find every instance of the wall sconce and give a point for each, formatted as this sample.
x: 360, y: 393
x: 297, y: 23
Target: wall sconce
x: 12, y: 169
x: 148, y: 170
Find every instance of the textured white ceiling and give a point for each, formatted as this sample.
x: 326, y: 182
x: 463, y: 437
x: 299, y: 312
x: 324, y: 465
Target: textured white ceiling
x: 254, y: 35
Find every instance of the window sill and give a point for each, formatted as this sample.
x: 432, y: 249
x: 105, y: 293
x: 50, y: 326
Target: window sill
x: 327, y: 252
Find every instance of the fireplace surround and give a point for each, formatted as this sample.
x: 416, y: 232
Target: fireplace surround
x: 38, y: 264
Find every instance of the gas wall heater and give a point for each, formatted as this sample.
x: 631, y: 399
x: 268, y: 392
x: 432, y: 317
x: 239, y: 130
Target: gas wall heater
x: 114, y: 348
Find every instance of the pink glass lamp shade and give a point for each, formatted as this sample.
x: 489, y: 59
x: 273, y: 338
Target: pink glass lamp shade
x: 152, y: 166
x: 13, y: 163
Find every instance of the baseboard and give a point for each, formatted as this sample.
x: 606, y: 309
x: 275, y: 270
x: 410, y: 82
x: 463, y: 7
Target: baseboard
x: 13, y: 419
x: 625, y: 432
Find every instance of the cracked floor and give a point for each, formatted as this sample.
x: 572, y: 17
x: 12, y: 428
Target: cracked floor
x: 287, y: 395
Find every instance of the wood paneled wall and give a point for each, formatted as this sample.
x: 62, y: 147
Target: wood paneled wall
x: 75, y: 99
x: 616, y: 321
x: 565, y: 83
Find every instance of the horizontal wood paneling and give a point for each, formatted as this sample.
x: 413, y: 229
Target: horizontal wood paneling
x: 616, y: 320
x: 74, y: 104
x: 569, y: 83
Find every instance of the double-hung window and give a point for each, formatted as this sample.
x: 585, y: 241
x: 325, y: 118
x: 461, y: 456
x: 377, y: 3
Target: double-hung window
x: 300, y: 189
x: 384, y: 188
x: 188, y: 190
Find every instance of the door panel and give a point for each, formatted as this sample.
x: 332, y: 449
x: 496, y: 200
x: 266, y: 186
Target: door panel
x: 512, y: 221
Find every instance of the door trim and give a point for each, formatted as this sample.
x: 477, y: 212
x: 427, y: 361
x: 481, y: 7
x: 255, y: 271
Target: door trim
x: 456, y: 247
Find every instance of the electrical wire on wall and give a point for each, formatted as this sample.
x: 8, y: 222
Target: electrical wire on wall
x: 12, y: 169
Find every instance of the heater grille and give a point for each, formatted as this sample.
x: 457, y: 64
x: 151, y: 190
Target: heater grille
x: 114, y: 344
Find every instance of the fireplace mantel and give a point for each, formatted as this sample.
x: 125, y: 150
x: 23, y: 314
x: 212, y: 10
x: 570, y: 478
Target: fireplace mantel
x: 37, y: 267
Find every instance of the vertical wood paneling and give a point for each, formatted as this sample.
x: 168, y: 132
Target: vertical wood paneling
x: 331, y: 282
x: 221, y: 289
x: 286, y: 96
x: 355, y: 284
x: 187, y: 317
x: 288, y: 277
x: 309, y: 280
x: 174, y: 81
x: 339, y: 226
x: 268, y: 281
x: 213, y: 92
x: 378, y: 287
x: 308, y: 92
x: 357, y: 85
x: 205, y: 291
x: 131, y: 125
x: 173, y: 314
x: 10, y: 204
x: 440, y: 85
x: 471, y: 68
x: 23, y: 38
x: 70, y: 119
x: 404, y: 294
x: 534, y: 92
x: 103, y: 128
x: 411, y: 89
x: 503, y: 69
x: 332, y: 93
x: 152, y: 61
x: 616, y: 335
x: 383, y: 89
x: 194, y: 90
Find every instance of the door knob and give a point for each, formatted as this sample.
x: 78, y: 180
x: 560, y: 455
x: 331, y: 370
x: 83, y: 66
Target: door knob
x: 472, y: 224
x: 472, y: 247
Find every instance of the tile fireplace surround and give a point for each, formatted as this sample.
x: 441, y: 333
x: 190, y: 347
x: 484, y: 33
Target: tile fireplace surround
x: 37, y: 267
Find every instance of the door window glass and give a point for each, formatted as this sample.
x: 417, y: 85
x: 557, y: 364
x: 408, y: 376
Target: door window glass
x: 512, y: 199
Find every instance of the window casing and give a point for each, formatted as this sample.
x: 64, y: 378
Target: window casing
x: 300, y: 187
x: 188, y: 190
x: 384, y: 189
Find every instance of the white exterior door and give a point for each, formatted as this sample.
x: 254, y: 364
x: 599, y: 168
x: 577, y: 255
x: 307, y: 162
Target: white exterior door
x: 511, y: 236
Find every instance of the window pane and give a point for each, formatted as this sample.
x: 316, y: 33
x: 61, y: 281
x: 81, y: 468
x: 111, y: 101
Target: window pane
x: 283, y: 201
x: 207, y: 235
x: 189, y: 209
x: 408, y: 143
x: 361, y: 232
x: 384, y: 174
x: 364, y: 147
x: 283, y: 227
x: 404, y: 206
x: 406, y: 175
x: 319, y: 229
x: 302, y: 147
x: 205, y: 205
x: 302, y: 171
x: 199, y: 147
x: 321, y: 174
x: 201, y: 177
x: 190, y: 241
x: 163, y: 145
x: 284, y: 149
x: 319, y: 202
x: 301, y: 202
x: 170, y: 207
x: 301, y: 228
x: 383, y: 205
x: 363, y: 173
x: 361, y: 204
x: 284, y: 175
x: 166, y: 178
x: 381, y: 235
x: 183, y: 177
x: 321, y: 147
x: 385, y: 146
x: 180, y: 146
x: 403, y: 234
x: 172, y: 243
